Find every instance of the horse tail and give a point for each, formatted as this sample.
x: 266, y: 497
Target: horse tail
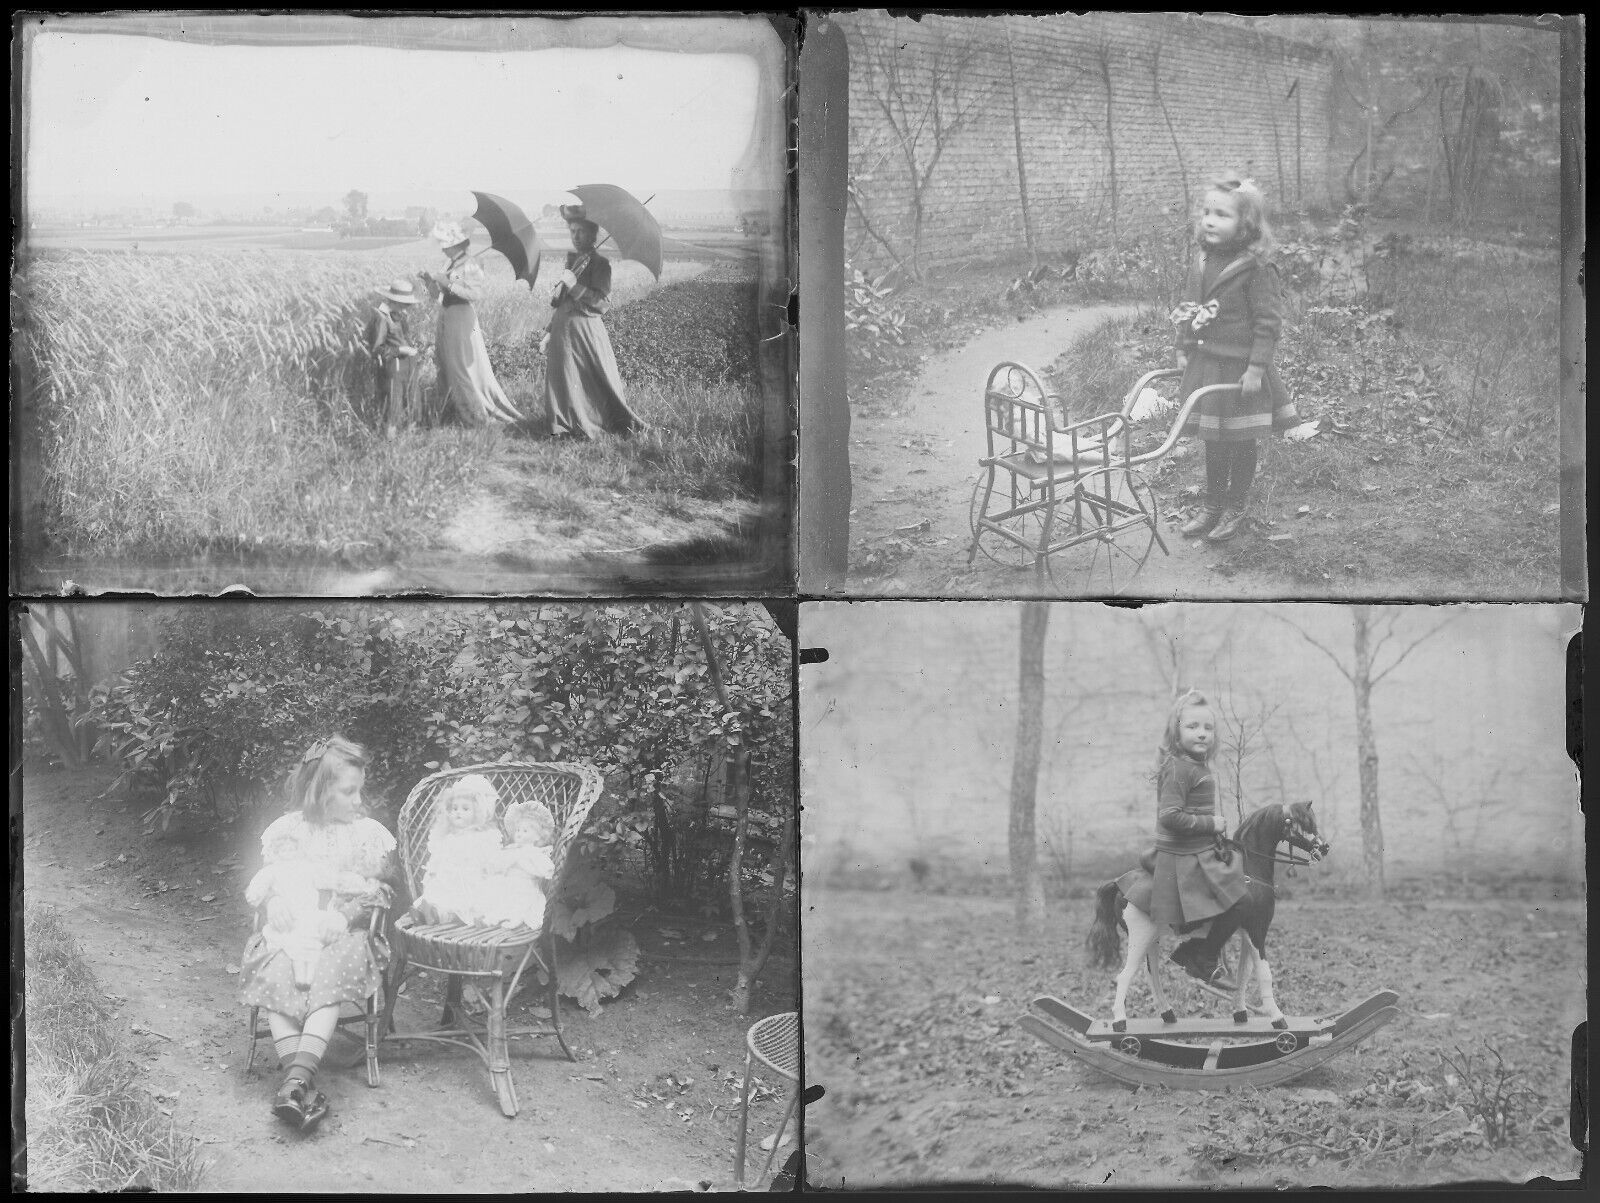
x: 1105, y: 943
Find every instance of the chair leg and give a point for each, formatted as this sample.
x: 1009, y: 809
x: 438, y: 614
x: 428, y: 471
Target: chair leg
x: 744, y: 1122
x: 452, y: 1001
x: 500, y: 1049
x: 255, y: 1019
x: 555, y: 1003
x: 374, y: 1018
x: 777, y: 1137
x: 391, y: 992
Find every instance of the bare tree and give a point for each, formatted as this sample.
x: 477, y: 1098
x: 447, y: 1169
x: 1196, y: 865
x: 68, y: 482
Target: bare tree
x: 1462, y: 811
x: 1370, y: 634
x: 1026, y: 884
x: 1243, y: 737
x: 924, y: 100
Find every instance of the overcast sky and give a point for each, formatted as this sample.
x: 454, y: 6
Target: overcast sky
x: 122, y: 116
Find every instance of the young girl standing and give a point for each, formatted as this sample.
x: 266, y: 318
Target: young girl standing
x: 1227, y: 335
x: 347, y: 855
x: 1190, y: 882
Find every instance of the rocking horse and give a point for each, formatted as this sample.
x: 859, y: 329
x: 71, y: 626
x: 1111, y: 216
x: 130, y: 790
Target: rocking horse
x: 1127, y: 1049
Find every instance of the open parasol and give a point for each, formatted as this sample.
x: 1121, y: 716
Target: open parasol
x: 510, y: 233
x: 626, y: 222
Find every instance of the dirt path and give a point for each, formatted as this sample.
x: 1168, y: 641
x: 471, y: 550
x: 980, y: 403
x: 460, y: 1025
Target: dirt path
x: 167, y: 958
x: 913, y: 470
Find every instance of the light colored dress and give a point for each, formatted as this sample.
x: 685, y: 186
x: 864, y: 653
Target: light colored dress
x: 465, y: 376
x: 514, y: 892
x: 455, y: 879
x: 583, y: 389
x: 350, y: 967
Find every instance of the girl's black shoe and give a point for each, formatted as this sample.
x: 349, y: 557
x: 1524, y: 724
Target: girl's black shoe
x: 290, y: 1103
x: 316, y: 1107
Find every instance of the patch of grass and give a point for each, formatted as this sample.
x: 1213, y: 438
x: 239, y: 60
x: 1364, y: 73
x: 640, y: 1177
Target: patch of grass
x: 91, y: 1126
x: 265, y: 473
x: 1434, y: 375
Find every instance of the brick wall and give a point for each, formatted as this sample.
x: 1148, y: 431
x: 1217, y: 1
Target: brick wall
x: 1188, y: 98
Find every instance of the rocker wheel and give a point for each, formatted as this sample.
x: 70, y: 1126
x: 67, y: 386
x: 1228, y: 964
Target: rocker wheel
x: 1029, y: 527
x: 1287, y: 1042
x: 1118, y: 508
x: 1129, y: 1045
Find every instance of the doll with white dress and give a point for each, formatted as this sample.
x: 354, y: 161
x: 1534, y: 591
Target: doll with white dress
x: 463, y: 848
x: 296, y: 923
x: 521, y: 873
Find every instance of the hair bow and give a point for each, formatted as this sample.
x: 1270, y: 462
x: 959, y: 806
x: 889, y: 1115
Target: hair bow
x: 315, y: 752
x: 1193, y: 314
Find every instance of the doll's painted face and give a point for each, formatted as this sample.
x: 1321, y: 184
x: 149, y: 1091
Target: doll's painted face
x: 1197, y: 731
x: 342, y: 795
x: 461, y: 811
x: 1219, y: 218
x: 531, y: 827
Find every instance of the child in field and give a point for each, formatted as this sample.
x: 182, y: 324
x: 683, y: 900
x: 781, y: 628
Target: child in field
x: 1189, y: 883
x: 1227, y: 335
x: 521, y: 873
x: 327, y: 844
x: 463, y: 846
x: 389, y: 345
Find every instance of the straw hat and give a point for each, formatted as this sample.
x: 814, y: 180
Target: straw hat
x: 400, y: 292
x: 448, y: 234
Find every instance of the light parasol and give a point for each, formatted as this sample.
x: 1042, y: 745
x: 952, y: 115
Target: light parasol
x: 626, y: 222
x: 510, y: 233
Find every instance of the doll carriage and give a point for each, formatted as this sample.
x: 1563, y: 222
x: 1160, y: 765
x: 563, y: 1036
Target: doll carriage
x: 493, y: 958
x: 1050, y: 485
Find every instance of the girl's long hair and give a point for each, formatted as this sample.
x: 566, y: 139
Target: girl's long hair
x: 1255, y: 231
x: 309, y: 781
x: 1189, y: 699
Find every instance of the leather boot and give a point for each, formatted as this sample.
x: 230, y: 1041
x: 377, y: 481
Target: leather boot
x: 1202, y: 522
x: 1234, y: 520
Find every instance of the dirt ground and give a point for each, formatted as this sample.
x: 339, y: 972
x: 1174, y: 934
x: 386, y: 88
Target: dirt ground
x: 652, y: 1102
x: 912, y: 1001
x: 914, y: 454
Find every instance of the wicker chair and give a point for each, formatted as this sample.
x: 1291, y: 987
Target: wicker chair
x: 492, y: 957
x: 775, y: 1042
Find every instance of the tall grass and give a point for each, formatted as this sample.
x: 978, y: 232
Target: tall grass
x: 90, y: 1125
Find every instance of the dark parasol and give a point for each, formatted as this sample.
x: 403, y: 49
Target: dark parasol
x: 626, y: 222
x: 510, y: 233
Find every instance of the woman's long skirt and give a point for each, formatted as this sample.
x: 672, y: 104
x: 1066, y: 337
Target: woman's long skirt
x: 465, y: 376
x: 583, y: 390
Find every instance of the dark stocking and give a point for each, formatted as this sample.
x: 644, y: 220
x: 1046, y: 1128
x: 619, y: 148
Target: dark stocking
x: 1219, y: 458
x: 1242, y: 471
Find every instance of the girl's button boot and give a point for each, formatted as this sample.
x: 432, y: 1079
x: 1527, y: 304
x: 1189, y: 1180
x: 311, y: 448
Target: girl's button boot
x: 290, y: 1103
x: 1228, y: 525
x: 1202, y: 522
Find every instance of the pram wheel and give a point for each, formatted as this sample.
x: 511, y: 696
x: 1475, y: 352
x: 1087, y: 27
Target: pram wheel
x: 1116, y: 507
x: 1028, y: 526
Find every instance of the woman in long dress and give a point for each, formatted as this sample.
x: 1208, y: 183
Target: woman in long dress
x: 583, y: 390
x: 465, y: 377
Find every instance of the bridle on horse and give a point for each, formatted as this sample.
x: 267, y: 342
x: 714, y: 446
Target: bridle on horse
x: 1225, y: 847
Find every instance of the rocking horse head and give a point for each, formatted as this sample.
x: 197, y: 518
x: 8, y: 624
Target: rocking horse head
x: 1294, y: 823
x: 1300, y: 829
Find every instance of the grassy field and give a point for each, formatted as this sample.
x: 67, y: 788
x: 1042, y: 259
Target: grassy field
x: 214, y: 402
x: 90, y: 1125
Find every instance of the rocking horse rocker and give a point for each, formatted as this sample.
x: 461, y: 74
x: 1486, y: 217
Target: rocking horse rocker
x: 1274, y: 1047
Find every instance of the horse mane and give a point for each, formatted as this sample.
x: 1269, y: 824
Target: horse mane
x: 1257, y: 819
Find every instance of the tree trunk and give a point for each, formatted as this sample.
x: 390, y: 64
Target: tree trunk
x: 1026, y: 884
x: 1016, y: 133
x: 1367, y: 751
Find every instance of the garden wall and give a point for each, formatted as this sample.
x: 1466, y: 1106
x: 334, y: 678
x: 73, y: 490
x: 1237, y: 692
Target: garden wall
x: 1175, y: 119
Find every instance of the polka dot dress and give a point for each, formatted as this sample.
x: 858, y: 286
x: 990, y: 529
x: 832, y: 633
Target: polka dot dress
x: 348, y: 970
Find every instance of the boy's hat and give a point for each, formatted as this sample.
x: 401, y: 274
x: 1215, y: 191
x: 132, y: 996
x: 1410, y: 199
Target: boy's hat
x: 400, y: 292
x: 448, y: 234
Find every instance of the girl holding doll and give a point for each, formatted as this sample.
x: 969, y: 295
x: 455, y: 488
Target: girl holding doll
x: 300, y: 967
x: 1228, y: 334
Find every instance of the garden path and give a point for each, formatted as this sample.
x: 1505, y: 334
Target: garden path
x: 917, y: 462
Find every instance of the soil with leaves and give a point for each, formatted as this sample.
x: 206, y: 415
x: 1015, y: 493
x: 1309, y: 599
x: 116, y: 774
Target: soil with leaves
x: 912, y: 1002
x: 652, y: 1102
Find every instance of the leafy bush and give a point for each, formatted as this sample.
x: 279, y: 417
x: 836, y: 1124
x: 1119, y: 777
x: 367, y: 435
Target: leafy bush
x: 705, y: 329
x: 874, y: 324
